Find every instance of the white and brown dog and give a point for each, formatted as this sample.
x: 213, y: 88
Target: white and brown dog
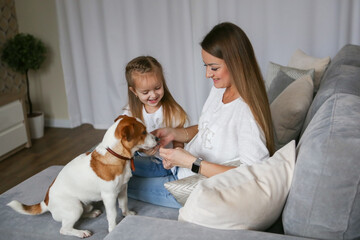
x: 100, y: 175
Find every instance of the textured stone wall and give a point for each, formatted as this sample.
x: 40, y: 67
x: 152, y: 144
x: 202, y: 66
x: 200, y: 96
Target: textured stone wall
x: 10, y: 81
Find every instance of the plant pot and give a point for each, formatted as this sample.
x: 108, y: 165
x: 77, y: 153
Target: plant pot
x: 36, y: 125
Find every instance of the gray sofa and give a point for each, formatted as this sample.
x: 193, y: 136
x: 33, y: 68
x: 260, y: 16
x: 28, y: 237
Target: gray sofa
x: 324, y: 199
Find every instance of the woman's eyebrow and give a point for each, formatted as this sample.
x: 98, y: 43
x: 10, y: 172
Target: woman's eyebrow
x: 211, y: 64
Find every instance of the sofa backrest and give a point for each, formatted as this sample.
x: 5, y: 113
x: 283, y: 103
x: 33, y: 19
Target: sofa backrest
x: 335, y: 79
x: 324, y: 199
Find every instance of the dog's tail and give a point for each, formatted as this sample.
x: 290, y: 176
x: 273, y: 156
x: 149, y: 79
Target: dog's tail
x: 35, y: 209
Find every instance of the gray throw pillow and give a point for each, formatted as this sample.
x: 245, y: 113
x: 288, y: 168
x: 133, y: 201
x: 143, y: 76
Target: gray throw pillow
x: 295, y: 73
x: 289, y: 109
x: 278, y: 84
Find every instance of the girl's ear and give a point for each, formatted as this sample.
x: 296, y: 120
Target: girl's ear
x: 133, y: 91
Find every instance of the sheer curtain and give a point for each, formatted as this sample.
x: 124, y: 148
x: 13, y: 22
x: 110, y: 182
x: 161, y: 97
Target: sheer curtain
x: 99, y: 37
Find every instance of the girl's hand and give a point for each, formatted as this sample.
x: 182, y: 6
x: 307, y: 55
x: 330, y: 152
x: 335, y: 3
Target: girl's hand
x: 176, y: 157
x: 166, y: 135
x: 151, y: 151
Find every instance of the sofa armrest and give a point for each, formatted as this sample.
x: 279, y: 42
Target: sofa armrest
x: 147, y: 228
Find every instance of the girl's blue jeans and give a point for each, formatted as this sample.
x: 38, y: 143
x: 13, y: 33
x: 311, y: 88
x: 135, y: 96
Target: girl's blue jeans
x: 147, y: 182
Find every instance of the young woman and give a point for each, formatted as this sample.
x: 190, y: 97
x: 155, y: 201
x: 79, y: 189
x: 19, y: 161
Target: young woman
x: 236, y: 122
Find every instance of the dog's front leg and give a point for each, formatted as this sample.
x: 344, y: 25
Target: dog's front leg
x: 123, y: 202
x: 109, y: 200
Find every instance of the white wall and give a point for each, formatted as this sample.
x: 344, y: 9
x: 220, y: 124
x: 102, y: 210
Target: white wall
x: 47, y: 87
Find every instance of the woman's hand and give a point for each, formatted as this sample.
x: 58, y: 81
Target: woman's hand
x: 166, y: 135
x: 176, y: 157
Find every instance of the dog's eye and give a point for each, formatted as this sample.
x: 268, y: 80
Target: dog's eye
x: 144, y: 132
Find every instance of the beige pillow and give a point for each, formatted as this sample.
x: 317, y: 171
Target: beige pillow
x: 289, y: 109
x: 303, y: 61
x: 182, y: 188
x: 273, y: 69
x: 246, y: 197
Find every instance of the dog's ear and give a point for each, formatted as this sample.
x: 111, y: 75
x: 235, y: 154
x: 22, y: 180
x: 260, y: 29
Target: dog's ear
x: 120, y: 116
x: 128, y: 132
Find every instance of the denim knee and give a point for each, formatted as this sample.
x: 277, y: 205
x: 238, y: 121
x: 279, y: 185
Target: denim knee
x: 152, y: 190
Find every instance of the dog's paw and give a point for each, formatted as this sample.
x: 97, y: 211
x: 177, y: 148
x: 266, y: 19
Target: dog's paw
x: 93, y: 214
x: 84, y: 234
x: 111, y: 228
x: 128, y: 213
x: 75, y: 232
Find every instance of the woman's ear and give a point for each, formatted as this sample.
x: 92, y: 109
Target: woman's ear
x: 133, y: 91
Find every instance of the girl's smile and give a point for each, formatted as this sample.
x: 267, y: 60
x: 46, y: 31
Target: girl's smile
x: 153, y: 101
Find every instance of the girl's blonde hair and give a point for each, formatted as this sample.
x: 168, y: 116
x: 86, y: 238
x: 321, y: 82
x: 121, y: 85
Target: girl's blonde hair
x: 171, y: 109
x: 228, y: 42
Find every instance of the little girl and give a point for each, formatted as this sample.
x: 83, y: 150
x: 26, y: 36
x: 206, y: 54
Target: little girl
x: 151, y: 101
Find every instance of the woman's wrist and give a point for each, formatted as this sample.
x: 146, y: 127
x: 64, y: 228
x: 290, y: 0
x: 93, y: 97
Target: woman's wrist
x: 191, y: 162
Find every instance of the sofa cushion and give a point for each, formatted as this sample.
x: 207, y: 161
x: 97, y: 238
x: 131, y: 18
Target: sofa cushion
x: 303, y: 61
x: 324, y: 200
x: 344, y: 80
x: 145, y: 228
x: 278, y: 84
x: 246, y: 197
x: 295, y: 73
x: 289, y: 110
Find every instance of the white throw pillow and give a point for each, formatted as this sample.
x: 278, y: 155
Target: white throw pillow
x: 289, y: 109
x: 303, y: 61
x: 274, y: 68
x: 246, y: 197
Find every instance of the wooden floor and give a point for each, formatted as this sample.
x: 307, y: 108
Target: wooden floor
x: 57, y: 147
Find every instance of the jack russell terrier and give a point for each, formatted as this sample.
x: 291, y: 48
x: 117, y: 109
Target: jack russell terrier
x: 100, y: 175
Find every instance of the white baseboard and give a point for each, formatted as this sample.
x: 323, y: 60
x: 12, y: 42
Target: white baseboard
x: 58, y: 123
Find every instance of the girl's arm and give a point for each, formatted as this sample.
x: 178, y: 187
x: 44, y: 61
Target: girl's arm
x: 183, y: 135
x: 178, y: 144
x: 188, y: 133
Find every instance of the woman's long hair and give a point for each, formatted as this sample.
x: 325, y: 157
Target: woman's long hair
x: 171, y: 109
x: 228, y: 42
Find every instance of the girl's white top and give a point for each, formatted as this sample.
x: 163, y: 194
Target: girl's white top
x: 227, y: 133
x: 154, y: 120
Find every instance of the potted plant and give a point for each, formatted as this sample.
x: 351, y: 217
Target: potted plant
x: 22, y: 53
